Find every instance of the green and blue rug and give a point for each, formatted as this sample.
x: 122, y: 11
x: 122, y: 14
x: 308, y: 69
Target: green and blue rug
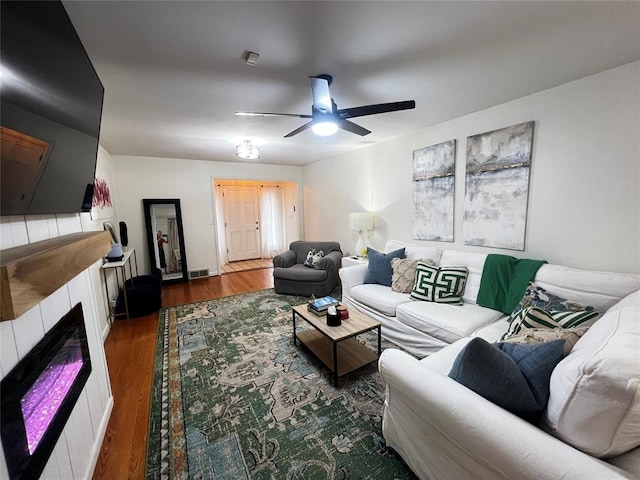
x: 233, y: 398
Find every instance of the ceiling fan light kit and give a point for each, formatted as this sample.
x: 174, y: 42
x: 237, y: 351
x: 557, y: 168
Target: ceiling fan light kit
x: 248, y: 151
x: 325, y: 116
x: 324, y: 128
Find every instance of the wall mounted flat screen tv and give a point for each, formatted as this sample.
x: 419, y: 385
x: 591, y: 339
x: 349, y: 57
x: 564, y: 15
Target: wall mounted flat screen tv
x: 50, y: 111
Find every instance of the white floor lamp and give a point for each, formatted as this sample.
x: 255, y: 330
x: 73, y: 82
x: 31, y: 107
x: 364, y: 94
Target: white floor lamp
x: 361, y: 222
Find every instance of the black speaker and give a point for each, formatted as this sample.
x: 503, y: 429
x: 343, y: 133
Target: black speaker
x: 87, y: 200
x: 124, y: 238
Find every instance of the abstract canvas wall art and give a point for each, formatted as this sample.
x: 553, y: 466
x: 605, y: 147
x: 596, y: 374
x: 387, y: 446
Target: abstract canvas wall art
x: 497, y: 187
x: 433, y: 191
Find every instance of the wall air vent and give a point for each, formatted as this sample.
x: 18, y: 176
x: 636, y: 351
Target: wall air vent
x: 198, y: 273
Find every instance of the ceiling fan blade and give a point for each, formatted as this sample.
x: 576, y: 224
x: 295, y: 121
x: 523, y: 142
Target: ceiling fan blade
x: 266, y: 114
x: 353, y: 128
x: 321, y: 95
x: 377, y: 108
x: 299, y: 129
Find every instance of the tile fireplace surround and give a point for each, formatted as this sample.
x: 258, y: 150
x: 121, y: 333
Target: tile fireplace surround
x: 76, y: 451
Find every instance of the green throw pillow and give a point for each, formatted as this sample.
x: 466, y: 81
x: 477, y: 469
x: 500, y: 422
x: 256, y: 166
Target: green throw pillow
x: 439, y: 284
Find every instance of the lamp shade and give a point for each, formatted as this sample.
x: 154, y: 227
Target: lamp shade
x: 361, y: 221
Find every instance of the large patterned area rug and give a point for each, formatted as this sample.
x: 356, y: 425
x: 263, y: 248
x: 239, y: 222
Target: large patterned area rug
x: 233, y: 398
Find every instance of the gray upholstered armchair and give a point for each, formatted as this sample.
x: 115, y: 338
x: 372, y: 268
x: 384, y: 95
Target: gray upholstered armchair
x: 291, y: 276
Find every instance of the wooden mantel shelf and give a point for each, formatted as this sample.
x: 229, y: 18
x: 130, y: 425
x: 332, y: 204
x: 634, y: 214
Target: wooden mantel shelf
x: 30, y: 273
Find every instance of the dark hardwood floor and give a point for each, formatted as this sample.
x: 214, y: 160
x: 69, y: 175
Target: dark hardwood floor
x: 130, y: 349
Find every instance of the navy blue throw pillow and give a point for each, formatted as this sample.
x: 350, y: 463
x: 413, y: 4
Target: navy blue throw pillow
x: 379, y: 270
x: 513, y: 376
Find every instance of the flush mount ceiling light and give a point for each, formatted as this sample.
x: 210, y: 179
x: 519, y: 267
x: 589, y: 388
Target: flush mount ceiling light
x: 248, y: 151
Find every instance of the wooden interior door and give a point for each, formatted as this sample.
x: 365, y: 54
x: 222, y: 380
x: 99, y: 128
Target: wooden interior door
x: 241, y: 222
x: 23, y: 161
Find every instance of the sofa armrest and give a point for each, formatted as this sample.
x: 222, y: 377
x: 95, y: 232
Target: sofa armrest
x: 331, y: 261
x: 352, y: 276
x: 444, y: 430
x: 285, y: 259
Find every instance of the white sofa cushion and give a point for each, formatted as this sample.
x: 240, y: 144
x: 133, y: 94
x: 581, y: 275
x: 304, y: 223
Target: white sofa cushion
x: 601, y: 290
x: 414, y: 252
x: 442, y: 361
x: 595, y: 390
x: 474, y: 263
x: 494, y: 331
x: 632, y: 300
x: 445, y: 322
x: 379, y: 297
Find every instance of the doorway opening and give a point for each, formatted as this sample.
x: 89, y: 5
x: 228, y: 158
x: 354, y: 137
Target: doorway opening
x: 256, y: 220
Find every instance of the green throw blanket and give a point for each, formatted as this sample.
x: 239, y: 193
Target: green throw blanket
x: 504, y: 281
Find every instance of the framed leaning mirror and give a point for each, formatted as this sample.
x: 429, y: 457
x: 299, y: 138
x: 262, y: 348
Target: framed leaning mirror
x: 165, y: 238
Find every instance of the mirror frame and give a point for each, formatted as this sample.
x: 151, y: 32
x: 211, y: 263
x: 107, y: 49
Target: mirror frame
x: 151, y: 235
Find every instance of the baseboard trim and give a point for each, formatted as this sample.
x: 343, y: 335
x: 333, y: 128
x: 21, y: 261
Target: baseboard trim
x: 97, y: 444
x: 105, y: 332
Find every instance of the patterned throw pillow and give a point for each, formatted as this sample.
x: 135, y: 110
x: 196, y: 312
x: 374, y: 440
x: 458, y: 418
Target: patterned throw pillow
x: 404, y: 273
x: 541, y: 335
x: 439, y: 284
x: 552, y: 308
x: 534, y: 317
x: 536, y: 296
x: 313, y: 258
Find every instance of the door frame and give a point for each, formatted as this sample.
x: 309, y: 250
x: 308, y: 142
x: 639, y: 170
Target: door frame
x: 297, y: 216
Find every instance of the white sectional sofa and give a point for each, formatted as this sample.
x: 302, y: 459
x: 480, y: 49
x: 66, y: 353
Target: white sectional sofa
x: 591, y: 426
x: 423, y: 328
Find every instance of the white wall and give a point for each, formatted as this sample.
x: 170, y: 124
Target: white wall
x: 190, y: 181
x: 584, y: 198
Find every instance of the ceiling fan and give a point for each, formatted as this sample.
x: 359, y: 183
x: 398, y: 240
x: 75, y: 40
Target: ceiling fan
x: 325, y: 116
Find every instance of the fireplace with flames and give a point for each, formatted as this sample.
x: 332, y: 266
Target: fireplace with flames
x: 38, y: 395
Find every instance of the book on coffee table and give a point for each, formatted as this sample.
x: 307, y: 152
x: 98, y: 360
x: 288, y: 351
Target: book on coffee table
x: 317, y: 313
x: 321, y: 305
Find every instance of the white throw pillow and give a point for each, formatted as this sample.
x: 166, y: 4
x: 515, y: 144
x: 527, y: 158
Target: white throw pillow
x: 313, y: 258
x: 595, y: 391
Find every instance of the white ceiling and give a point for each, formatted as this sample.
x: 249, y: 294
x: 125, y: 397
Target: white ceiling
x: 173, y: 73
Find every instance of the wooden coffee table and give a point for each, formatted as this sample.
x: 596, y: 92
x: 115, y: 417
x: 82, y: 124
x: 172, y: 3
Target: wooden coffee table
x: 337, y: 347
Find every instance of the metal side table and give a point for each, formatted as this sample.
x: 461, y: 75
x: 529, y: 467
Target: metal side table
x: 120, y: 267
